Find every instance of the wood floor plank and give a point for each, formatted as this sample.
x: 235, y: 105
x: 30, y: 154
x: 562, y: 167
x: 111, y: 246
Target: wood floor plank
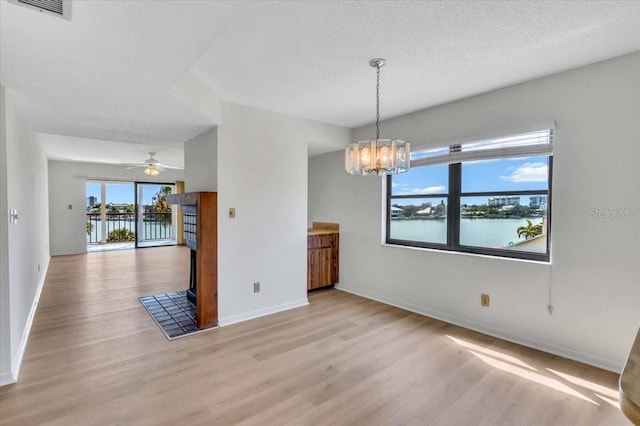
x: 95, y: 357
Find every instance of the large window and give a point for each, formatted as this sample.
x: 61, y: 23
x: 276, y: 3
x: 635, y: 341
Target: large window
x: 487, y: 197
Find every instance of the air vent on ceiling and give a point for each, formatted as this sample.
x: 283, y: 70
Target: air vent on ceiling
x: 60, y: 8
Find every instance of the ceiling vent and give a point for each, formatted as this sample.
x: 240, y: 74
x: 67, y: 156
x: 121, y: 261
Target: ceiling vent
x: 60, y: 8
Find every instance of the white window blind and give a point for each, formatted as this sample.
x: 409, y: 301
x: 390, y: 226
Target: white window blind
x: 521, y: 145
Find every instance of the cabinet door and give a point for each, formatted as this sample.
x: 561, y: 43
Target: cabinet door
x: 320, y: 267
x: 318, y: 241
x: 335, y: 259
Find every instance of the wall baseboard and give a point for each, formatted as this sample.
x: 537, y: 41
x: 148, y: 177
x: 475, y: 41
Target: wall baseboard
x: 18, y: 357
x: 491, y: 331
x: 6, y: 379
x: 262, y: 312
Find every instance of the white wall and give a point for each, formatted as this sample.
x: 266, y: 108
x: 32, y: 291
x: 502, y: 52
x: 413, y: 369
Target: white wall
x: 67, y: 186
x: 25, y: 246
x: 262, y: 164
x: 595, y: 261
x: 5, y: 331
x: 201, y: 162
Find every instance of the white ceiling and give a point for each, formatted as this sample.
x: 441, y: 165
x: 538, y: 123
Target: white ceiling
x: 106, y: 74
x: 69, y: 148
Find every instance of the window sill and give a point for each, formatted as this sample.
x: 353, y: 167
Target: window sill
x: 461, y: 253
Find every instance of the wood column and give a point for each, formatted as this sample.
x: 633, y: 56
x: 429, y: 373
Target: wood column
x: 205, y: 244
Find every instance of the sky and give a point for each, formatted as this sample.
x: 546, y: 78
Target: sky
x: 509, y: 174
x: 122, y: 193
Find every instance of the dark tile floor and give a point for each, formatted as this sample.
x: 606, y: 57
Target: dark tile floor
x: 175, y: 315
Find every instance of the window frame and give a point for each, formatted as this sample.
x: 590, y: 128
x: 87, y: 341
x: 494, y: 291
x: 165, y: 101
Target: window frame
x: 453, y: 196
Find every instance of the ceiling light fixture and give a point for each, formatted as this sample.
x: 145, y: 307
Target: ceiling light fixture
x: 151, y: 171
x: 378, y: 156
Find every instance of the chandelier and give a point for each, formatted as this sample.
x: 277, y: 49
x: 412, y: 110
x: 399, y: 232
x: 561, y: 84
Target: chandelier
x: 378, y: 156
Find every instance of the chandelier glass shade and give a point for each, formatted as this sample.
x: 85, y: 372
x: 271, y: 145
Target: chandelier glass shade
x: 377, y: 156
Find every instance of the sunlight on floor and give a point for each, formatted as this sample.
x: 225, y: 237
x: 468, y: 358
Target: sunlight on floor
x: 534, y: 377
x: 521, y: 369
x: 614, y: 403
x: 491, y: 352
x: 128, y: 245
x: 91, y: 248
x: 608, y: 395
x: 586, y: 384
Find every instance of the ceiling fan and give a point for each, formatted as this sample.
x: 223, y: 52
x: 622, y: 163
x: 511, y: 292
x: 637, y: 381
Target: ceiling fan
x: 152, y: 167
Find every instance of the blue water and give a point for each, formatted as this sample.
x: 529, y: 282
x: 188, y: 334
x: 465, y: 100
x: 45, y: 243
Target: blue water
x: 494, y: 233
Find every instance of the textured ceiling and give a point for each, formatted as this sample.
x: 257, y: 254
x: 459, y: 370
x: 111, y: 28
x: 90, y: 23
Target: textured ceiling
x: 107, y: 73
x: 69, y: 148
x: 311, y: 59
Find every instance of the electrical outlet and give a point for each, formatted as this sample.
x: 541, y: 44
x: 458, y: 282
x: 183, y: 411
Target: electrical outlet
x: 256, y: 287
x: 484, y: 300
x: 38, y: 267
x: 232, y: 212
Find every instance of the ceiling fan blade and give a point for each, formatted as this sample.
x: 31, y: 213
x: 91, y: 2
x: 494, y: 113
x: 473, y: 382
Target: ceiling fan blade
x: 170, y: 167
x: 151, y: 163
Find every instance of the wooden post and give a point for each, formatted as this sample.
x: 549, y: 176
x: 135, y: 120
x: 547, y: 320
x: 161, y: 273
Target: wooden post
x: 206, y: 227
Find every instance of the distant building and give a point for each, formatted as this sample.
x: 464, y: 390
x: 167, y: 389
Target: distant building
x: 396, y: 212
x: 119, y: 207
x: 538, y: 201
x: 504, y: 201
x: 91, y: 201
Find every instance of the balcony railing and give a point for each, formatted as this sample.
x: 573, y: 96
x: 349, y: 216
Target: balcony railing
x: 122, y: 227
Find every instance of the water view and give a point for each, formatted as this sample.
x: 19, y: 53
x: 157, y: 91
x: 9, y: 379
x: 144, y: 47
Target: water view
x: 494, y: 233
x: 147, y: 221
x: 499, y: 218
x: 150, y: 230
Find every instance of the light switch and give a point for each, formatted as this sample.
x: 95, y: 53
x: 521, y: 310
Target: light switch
x: 232, y: 212
x: 13, y: 216
x: 70, y: 206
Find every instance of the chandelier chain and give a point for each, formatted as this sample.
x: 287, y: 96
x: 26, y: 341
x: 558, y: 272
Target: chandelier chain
x: 377, y: 101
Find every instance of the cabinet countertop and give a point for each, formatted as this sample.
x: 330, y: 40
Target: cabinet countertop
x: 320, y: 231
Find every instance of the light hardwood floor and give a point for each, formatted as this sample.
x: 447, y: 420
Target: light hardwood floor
x: 96, y: 357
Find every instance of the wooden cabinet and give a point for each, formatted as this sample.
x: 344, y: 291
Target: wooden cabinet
x: 323, y: 253
x: 200, y: 217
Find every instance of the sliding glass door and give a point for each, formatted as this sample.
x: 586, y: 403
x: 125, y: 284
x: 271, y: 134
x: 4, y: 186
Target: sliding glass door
x: 110, y: 217
x: 155, y: 218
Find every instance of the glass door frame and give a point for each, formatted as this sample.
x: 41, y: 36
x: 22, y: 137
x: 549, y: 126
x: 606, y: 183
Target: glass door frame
x: 139, y: 219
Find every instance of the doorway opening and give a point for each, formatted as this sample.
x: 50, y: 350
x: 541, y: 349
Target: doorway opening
x: 126, y: 215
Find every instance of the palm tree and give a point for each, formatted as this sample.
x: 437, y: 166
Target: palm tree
x: 530, y: 230
x: 161, y: 206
